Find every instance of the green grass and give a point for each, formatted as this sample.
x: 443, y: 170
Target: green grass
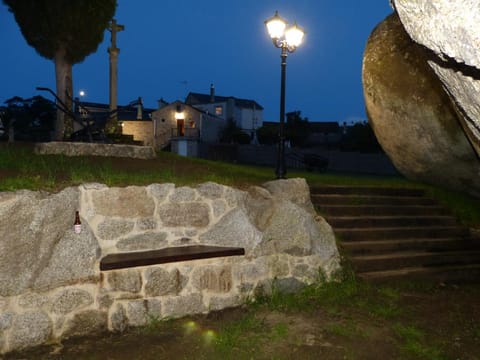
x: 156, y: 324
x: 464, y: 207
x: 25, y: 170
x: 343, y: 292
x: 413, y: 343
x: 348, y: 329
x: 243, y: 337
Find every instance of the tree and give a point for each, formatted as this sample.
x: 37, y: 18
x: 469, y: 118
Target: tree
x: 65, y: 31
x: 360, y: 137
x: 28, y: 119
x: 268, y: 133
x: 297, y: 129
x: 231, y: 133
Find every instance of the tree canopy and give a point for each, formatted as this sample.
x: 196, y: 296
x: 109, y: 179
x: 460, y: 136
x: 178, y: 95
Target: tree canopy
x: 65, y: 31
x: 77, y: 26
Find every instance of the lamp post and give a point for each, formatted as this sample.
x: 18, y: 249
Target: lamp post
x: 287, y: 40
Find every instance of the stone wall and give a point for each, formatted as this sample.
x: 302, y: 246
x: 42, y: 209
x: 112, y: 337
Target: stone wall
x: 79, y: 148
x: 141, y: 131
x: 51, y: 287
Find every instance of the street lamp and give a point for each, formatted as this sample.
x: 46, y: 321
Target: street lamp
x: 286, y: 39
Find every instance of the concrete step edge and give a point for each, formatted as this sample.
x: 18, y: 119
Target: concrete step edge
x: 412, y: 254
x: 417, y: 269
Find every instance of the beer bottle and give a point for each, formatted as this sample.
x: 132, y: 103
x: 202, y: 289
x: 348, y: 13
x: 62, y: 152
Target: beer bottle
x: 77, y: 226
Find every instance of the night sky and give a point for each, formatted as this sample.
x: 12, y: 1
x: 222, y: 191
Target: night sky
x: 171, y: 47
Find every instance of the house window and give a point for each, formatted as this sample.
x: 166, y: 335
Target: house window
x: 219, y: 110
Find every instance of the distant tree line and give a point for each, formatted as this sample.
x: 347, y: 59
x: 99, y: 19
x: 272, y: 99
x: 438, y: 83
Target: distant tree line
x: 357, y: 137
x: 31, y: 119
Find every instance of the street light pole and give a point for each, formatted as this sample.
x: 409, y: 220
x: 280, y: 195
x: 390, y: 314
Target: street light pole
x: 287, y: 40
x: 281, y: 169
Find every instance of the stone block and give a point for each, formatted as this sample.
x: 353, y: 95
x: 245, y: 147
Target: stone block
x: 32, y: 300
x: 70, y: 300
x: 145, y: 224
x: 140, y: 312
x: 233, y: 229
x: 188, y: 214
x: 210, y: 190
x: 72, y: 259
x: 160, y: 282
x: 279, y: 266
x: 6, y: 320
x: 252, y: 271
x: 129, y: 202
x: 29, y: 329
x: 295, y: 190
x: 178, y: 306
x: 112, y: 229
x: 31, y: 224
x: 104, y: 299
x: 147, y: 241
x: 219, y: 207
x: 118, y: 319
x: 125, y: 280
x: 89, y: 322
x: 160, y: 192
x: 95, y: 149
x: 183, y: 194
x: 224, y: 302
x: 217, y: 279
x: 259, y: 205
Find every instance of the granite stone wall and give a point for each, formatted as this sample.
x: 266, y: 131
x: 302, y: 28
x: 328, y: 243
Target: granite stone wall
x: 51, y: 287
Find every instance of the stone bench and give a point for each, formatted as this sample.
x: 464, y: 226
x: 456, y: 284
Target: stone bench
x: 166, y: 255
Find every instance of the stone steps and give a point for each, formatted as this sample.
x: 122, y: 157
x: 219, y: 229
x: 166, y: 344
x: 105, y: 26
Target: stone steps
x: 390, y: 221
x: 405, y: 259
x: 388, y: 246
x: 398, y: 233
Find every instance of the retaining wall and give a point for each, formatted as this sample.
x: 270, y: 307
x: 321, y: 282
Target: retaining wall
x: 51, y: 287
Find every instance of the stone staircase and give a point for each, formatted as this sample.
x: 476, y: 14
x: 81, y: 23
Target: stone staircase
x: 398, y: 233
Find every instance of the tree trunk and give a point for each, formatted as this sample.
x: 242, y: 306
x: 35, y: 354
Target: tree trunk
x: 68, y: 127
x: 63, y: 77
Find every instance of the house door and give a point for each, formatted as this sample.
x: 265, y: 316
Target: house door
x: 182, y: 147
x: 180, y: 127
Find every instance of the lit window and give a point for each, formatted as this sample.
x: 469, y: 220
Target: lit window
x: 218, y: 110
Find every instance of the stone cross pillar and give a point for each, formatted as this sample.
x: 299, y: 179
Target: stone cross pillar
x: 112, y: 123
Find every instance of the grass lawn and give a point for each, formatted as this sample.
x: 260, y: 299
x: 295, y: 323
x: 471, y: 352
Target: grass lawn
x: 20, y: 168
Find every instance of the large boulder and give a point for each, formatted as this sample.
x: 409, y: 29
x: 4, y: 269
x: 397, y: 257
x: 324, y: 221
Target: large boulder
x: 38, y: 247
x: 451, y: 30
x: 412, y: 116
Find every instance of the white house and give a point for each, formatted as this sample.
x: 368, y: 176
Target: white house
x: 247, y: 114
x: 184, y: 127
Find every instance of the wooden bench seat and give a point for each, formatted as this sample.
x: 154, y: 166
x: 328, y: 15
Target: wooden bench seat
x: 166, y: 255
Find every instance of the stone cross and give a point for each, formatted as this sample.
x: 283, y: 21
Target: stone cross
x: 114, y: 28
x: 113, y: 50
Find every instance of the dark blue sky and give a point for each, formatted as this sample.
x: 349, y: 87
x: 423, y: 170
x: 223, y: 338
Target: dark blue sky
x: 171, y: 47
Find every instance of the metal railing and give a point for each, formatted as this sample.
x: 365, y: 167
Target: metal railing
x: 186, y: 132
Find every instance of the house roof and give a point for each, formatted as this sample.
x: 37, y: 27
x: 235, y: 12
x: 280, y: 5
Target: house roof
x: 128, y: 112
x: 198, y: 99
x: 193, y: 108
